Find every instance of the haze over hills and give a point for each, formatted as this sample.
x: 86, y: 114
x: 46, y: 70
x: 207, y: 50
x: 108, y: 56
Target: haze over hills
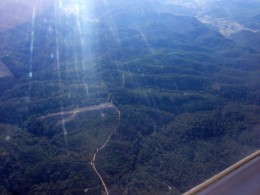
x: 24, y: 11
x: 228, y: 16
x: 154, y: 97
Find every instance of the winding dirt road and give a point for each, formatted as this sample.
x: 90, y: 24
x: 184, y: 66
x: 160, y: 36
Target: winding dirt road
x: 70, y: 115
x: 94, y: 165
x: 99, y: 149
x: 79, y: 110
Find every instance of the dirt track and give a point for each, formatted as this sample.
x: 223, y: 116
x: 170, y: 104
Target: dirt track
x: 73, y: 113
x: 70, y: 115
x: 94, y: 165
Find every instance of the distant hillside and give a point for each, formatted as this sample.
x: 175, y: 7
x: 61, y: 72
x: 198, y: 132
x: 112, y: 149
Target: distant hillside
x: 247, y: 38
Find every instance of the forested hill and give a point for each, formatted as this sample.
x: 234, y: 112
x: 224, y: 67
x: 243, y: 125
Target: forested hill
x: 189, y: 100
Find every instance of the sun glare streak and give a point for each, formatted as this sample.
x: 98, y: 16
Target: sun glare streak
x: 32, y: 43
x: 77, y: 42
x: 123, y: 80
x: 84, y: 57
x: 81, y: 40
x: 72, y: 9
x: 60, y: 3
x: 114, y: 30
x: 65, y: 133
x: 87, y: 89
x: 144, y: 39
x: 227, y: 12
x: 57, y: 37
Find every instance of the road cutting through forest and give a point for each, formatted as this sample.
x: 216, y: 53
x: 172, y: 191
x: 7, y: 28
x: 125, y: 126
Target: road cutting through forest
x: 94, y: 165
x: 80, y: 110
x: 71, y: 115
x: 99, y: 149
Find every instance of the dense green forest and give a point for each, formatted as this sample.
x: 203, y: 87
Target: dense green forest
x: 186, y: 101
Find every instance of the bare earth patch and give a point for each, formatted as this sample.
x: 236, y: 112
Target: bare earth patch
x: 225, y: 27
